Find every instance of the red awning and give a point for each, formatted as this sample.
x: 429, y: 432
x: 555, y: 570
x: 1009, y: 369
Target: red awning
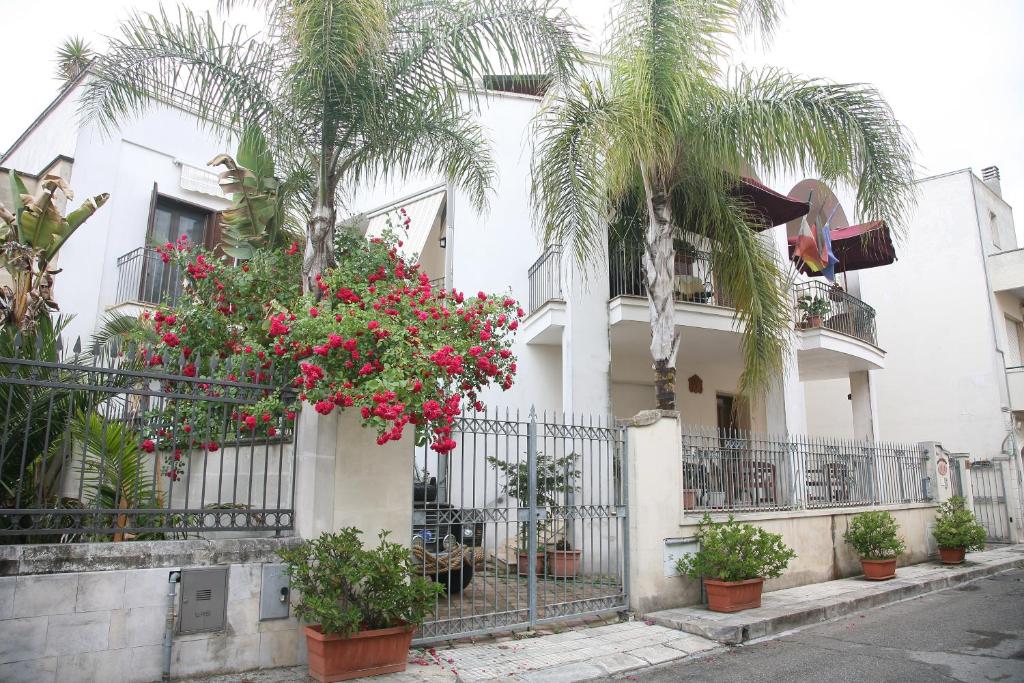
x: 773, y: 208
x: 857, y: 247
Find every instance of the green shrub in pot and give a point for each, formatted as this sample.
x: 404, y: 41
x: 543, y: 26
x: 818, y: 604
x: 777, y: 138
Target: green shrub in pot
x: 734, y: 559
x: 957, y: 531
x: 874, y: 536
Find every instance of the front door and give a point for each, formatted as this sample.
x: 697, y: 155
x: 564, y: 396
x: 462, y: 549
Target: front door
x: 171, y: 221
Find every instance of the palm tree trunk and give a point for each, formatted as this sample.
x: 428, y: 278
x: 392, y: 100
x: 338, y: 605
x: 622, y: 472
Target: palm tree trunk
x: 319, y: 254
x: 659, y: 267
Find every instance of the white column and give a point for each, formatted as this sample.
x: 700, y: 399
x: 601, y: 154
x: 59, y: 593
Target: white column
x: 865, y: 415
x: 343, y: 478
x: 586, y: 355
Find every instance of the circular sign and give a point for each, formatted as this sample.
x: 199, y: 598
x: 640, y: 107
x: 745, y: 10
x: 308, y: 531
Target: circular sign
x: 943, y: 468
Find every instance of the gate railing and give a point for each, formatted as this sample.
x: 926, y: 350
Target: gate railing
x: 96, y: 446
x: 736, y: 470
x: 988, y: 498
x: 524, y: 522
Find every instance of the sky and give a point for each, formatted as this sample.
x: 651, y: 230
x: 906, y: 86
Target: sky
x: 953, y: 70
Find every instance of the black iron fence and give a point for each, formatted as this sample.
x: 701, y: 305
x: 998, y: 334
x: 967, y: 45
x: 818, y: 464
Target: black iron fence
x: 546, y: 278
x: 94, y: 447
x: 736, y: 470
x: 829, y: 306
x: 694, y: 279
x: 524, y: 522
x: 144, y: 277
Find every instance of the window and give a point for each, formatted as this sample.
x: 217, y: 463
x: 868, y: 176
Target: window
x: 993, y: 226
x: 169, y: 221
x: 1014, y: 336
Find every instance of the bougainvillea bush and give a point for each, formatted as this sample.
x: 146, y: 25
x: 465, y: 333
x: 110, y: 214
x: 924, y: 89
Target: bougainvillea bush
x: 376, y: 337
x: 379, y: 338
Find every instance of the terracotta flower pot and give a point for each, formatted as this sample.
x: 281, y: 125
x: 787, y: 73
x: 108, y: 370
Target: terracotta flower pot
x: 523, y: 564
x: 564, y: 564
x: 878, y: 570
x: 690, y: 498
x: 952, y: 555
x: 814, y: 321
x: 367, y: 653
x: 733, y: 596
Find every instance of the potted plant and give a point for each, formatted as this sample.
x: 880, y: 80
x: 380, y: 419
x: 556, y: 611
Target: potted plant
x: 564, y: 560
x: 874, y: 536
x: 814, y: 309
x: 734, y: 560
x: 555, y: 477
x: 957, y: 531
x: 363, y: 605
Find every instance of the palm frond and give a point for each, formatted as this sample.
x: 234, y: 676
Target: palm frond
x: 221, y: 74
x: 847, y: 133
x: 568, y: 194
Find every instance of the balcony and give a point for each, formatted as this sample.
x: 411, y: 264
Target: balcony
x: 143, y: 279
x: 547, y: 317
x: 695, y: 282
x: 1015, y: 380
x: 835, y: 332
x: 1006, y: 271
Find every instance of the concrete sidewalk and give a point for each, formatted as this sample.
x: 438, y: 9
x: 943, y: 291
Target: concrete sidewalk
x: 585, y: 653
x: 792, y: 608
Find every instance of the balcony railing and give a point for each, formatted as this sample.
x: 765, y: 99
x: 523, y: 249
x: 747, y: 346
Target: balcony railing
x: 546, y: 278
x: 735, y: 470
x: 143, y: 277
x: 828, y: 306
x: 694, y: 281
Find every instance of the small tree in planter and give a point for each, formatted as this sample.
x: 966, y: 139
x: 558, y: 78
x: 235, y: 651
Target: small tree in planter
x: 957, y: 531
x: 555, y: 478
x: 362, y: 604
x: 874, y: 536
x: 734, y: 560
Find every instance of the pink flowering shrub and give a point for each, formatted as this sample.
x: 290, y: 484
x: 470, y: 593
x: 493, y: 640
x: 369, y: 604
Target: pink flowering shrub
x: 377, y: 338
x: 380, y: 339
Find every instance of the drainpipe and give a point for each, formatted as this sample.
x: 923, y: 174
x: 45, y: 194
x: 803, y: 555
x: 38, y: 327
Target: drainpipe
x: 172, y: 589
x: 1015, y: 454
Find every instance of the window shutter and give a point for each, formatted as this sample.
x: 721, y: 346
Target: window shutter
x: 215, y: 233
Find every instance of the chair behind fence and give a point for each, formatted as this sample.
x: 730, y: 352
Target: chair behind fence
x: 97, y: 446
x: 740, y: 470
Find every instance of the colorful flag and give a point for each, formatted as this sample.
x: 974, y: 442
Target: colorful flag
x: 825, y: 248
x: 807, y: 247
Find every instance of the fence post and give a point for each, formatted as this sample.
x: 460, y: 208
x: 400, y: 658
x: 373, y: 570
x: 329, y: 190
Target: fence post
x: 936, y: 471
x: 531, y: 545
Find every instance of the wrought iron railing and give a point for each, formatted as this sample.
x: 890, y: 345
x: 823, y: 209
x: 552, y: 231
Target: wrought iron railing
x: 546, y: 278
x: 99, y: 447
x: 144, y: 277
x: 831, y: 307
x: 694, y: 279
x: 736, y: 470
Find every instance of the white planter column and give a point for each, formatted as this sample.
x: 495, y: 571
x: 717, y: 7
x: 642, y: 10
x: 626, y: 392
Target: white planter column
x: 586, y: 354
x: 343, y: 478
x: 865, y: 415
x: 786, y: 415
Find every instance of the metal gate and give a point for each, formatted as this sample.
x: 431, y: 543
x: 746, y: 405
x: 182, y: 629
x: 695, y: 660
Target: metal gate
x: 989, y: 494
x: 524, y: 522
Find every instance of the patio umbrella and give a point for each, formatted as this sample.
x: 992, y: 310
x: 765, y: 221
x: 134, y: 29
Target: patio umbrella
x: 772, y: 207
x: 857, y: 247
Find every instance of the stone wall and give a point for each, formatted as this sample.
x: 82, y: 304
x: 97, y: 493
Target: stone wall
x: 97, y: 611
x: 656, y: 516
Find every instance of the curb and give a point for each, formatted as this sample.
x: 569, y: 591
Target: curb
x: 819, y: 611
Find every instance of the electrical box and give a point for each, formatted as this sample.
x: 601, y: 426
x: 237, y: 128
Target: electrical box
x: 274, y: 593
x: 204, y: 599
x: 675, y: 548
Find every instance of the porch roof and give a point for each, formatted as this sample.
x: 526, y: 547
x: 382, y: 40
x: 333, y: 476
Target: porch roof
x: 867, y: 245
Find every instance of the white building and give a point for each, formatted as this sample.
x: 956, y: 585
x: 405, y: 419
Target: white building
x: 938, y: 318
x: 950, y: 321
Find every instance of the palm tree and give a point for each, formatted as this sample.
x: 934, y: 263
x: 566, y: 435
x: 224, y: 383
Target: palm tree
x: 73, y: 56
x: 662, y: 140
x: 349, y: 90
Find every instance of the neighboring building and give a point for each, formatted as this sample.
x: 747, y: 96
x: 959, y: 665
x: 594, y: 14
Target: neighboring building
x: 951, y: 324
x: 160, y: 187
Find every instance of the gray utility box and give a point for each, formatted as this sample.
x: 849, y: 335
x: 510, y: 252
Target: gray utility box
x: 204, y: 599
x: 274, y: 593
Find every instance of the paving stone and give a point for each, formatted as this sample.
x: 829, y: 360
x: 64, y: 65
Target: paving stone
x: 100, y: 591
x: 22, y: 639
x: 7, y: 584
x: 657, y: 654
x: 567, y: 673
x: 618, y: 662
x: 69, y: 634
x: 36, y: 596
